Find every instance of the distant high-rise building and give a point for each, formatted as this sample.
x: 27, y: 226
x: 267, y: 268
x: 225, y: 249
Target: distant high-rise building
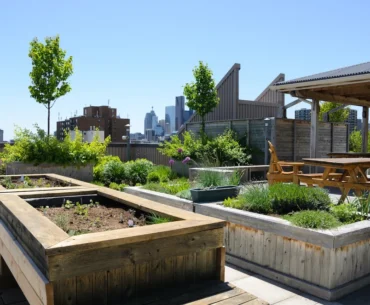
x: 150, y: 121
x: 187, y: 115
x: 303, y: 114
x: 170, y: 119
x: 1, y: 135
x: 180, y: 108
x: 159, y: 130
x: 150, y: 135
x: 162, y: 123
x: 352, y: 120
x: 359, y: 124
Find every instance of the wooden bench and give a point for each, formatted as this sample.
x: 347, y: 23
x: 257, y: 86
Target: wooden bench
x: 311, y: 179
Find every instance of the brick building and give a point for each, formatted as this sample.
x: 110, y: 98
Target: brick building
x: 102, y: 117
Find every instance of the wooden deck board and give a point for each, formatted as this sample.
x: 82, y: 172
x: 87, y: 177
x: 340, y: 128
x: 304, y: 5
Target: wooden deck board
x: 211, y: 292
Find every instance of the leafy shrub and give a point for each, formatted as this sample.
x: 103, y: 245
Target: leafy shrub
x: 137, y: 171
x: 172, y: 187
x: 235, y: 203
x: 113, y: 171
x: 185, y: 194
x: 286, y: 198
x: 153, y: 177
x: 99, y: 167
x: 222, y: 150
x: 117, y: 187
x: 313, y: 220
x: 362, y: 204
x: 256, y: 199
x: 211, y: 178
x: 346, y: 213
x: 39, y: 148
x: 62, y: 221
x: 163, y: 172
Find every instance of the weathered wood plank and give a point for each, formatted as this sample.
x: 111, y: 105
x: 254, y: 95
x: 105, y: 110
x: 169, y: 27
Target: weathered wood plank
x: 65, y: 291
x: 84, y: 287
x: 114, y: 285
x: 78, y: 263
x: 128, y: 281
x: 99, y: 292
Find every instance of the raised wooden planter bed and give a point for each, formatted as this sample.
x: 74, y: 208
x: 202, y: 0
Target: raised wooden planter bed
x: 106, y: 267
x: 325, y: 263
x: 65, y: 183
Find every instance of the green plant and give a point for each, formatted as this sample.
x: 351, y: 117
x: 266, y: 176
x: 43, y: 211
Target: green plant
x: 156, y: 219
x: 113, y: 171
x: 235, y: 203
x: 117, y: 187
x: 225, y: 150
x: 340, y: 115
x: 153, y: 177
x: 36, y: 148
x: 50, y: 71
x: 255, y: 198
x: 81, y: 209
x: 164, y: 173
x: 202, y: 94
x: 137, y: 171
x: 184, y: 194
x: 346, y: 213
x: 99, y: 167
x: 286, y: 198
x: 172, y: 187
x: 62, y: 221
x: 362, y: 204
x: 8, y: 183
x: 68, y: 204
x: 208, y: 178
x: 313, y: 220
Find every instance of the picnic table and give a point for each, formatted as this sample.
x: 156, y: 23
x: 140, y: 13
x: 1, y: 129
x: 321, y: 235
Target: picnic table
x: 349, y: 155
x: 352, y: 176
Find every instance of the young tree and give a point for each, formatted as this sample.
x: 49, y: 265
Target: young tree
x: 50, y: 71
x: 340, y: 115
x: 202, y: 95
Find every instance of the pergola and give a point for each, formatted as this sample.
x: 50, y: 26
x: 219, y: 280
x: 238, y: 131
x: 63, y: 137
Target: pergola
x: 348, y: 86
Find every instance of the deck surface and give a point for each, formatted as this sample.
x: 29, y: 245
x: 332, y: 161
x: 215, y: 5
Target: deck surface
x: 215, y: 293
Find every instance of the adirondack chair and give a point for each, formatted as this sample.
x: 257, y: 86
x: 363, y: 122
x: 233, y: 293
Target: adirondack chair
x: 276, y: 172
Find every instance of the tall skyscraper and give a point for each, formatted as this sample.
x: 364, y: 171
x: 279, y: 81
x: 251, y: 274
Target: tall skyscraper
x: 170, y: 119
x: 180, y: 108
x: 150, y: 121
x: 1, y: 135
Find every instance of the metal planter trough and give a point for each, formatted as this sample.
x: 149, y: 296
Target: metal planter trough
x: 215, y: 194
x: 105, y: 267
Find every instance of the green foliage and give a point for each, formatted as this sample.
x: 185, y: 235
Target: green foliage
x: 225, y: 150
x: 153, y: 177
x: 176, y: 149
x: 164, y: 173
x: 156, y: 219
x: 99, y: 167
x: 234, y: 203
x: 62, y: 221
x: 202, y: 95
x: 313, y: 220
x: 286, y: 198
x: 208, y: 178
x: 185, y: 194
x: 346, y: 213
x: 362, y: 204
x: 172, y: 187
x: 117, y: 187
x: 81, y: 209
x: 50, y: 71
x: 137, y: 171
x: 219, y: 151
x: 113, y: 172
x: 39, y: 148
x: 68, y: 205
x: 256, y: 199
x: 337, y: 116
x: 355, y: 141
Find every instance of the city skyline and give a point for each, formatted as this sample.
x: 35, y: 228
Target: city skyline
x: 134, y: 78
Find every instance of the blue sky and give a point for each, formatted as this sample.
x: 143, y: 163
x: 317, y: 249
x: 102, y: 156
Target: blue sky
x: 139, y: 54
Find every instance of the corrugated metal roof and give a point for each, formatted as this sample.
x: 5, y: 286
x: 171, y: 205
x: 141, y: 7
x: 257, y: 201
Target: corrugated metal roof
x: 359, y: 69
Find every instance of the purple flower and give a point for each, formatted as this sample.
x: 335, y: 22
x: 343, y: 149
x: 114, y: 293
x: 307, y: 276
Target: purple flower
x: 186, y: 160
x: 171, y: 162
x: 180, y: 150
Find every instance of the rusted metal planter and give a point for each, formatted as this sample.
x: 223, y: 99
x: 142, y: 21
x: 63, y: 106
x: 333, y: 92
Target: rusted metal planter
x: 326, y: 263
x: 106, y: 267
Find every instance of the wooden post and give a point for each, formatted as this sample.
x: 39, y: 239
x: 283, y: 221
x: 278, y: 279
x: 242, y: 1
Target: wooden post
x: 365, y: 128
x: 314, y: 129
x: 220, y: 261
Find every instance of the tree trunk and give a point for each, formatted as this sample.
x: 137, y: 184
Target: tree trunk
x: 203, y: 131
x: 48, y: 119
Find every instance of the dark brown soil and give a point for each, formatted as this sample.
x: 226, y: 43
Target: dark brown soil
x: 98, y: 219
x: 29, y: 182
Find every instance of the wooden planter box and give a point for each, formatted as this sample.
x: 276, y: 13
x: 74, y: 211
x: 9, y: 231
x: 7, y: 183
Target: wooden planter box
x: 325, y: 263
x: 72, y: 183
x: 83, y: 173
x: 106, y: 267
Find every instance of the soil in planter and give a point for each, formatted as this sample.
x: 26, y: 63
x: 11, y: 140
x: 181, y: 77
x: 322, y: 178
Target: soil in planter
x: 30, y: 182
x: 76, y: 219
